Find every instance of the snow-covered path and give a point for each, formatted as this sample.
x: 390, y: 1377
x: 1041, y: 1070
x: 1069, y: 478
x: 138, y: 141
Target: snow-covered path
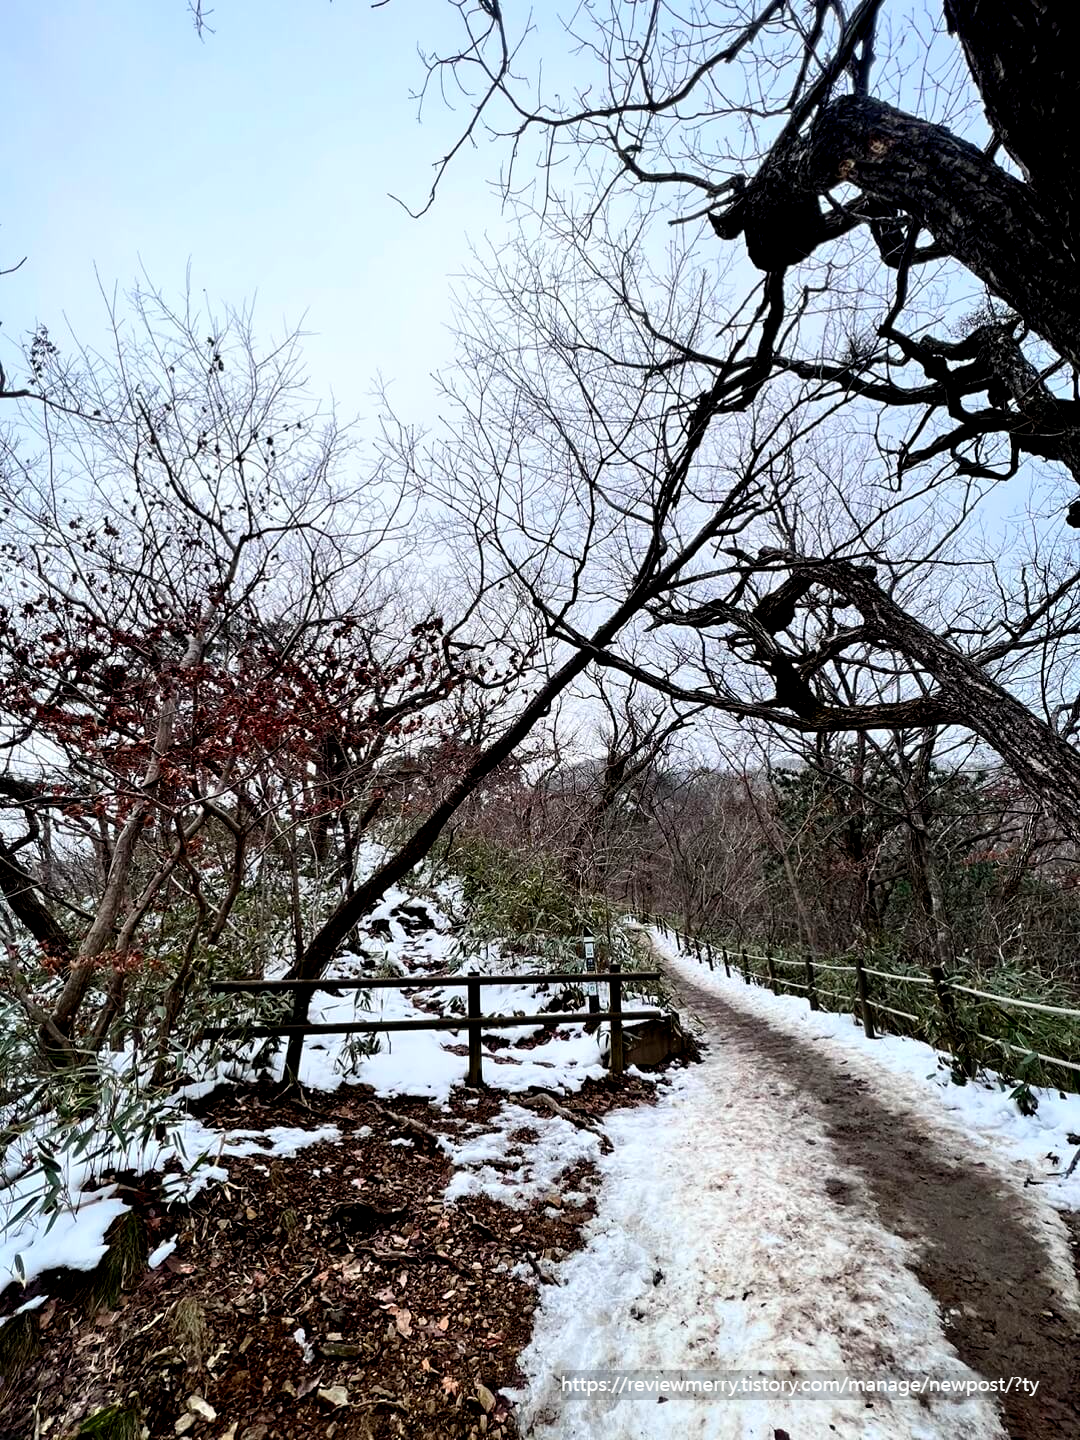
x: 742, y: 1229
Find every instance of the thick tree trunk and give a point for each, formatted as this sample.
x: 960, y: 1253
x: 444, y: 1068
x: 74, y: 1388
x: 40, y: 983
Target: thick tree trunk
x: 20, y: 890
x: 1046, y: 763
x: 922, y: 867
x: 1022, y: 57
x: 997, y: 226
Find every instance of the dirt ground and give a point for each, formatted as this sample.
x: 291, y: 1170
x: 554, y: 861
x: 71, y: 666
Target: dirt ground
x: 985, y: 1267
x: 314, y: 1296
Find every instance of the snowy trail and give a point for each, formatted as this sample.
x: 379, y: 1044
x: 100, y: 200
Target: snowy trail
x: 739, y: 1231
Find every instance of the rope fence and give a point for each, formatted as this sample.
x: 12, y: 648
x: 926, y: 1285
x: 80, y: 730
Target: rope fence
x: 953, y: 1020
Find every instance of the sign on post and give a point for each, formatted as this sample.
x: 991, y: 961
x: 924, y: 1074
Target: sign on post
x: 592, y: 989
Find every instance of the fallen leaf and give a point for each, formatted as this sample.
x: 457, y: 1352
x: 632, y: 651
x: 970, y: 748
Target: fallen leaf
x: 486, y: 1398
x: 335, y: 1395
x: 198, y: 1406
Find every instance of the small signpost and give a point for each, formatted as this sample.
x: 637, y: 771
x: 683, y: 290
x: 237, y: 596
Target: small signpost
x: 592, y: 989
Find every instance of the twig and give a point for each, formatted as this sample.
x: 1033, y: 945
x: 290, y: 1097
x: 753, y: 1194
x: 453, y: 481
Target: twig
x: 545, y: 1099
x: 511, y: 1242
x: 406, y: 1122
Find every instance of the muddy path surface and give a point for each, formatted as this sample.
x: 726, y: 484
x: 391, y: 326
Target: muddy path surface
x: 997, y: 1281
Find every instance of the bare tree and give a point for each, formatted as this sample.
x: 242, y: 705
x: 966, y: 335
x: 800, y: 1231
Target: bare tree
x: 206, y: 647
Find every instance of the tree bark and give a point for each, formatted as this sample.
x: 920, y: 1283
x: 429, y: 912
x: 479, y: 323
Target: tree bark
x: 1046, y: 763
x: 1022, y: 57
x: 20, y: 890
x: 996, y: 225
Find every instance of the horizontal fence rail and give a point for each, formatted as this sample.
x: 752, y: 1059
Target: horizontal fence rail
x: 427, y: 982
x: 474, y: 1021
x: 1011, y: 1000
x: 441, y: 1022
x: 945, y: 987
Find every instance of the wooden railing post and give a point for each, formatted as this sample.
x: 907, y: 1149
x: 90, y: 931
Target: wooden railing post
x: 295, y: 1048
x: 811, y: 990
x: 743, y: 966
x: 727, y: 967
x: 615, y: 1006
x: 708, y: 955
x: 475, y: 1076
x: 864, y: 997
x: 952, y: 1029
x: 771, y: 970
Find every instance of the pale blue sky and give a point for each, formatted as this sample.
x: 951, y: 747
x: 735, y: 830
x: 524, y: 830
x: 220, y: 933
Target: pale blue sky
x: 264, y: 154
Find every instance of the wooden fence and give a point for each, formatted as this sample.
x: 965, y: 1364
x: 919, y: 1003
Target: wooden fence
x: 474, y: 1020
x: 944, y: 988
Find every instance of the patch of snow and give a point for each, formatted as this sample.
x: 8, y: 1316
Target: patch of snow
x: 517, y: 1173
x: 68, y: 1239
x: 34, y: 1304
x: 160, y: 1253
x: 71, y: 1237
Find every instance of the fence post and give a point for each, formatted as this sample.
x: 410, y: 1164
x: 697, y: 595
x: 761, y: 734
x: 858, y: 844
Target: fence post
x: 743, y: 965
x: 771, y: 969
x: 864, y: 997
x: 811, y: 990
x: 615, y: 1006
x: 727, y: 967
x: 475, y: 1077
x: 295, y: 1047
x: 952, y: 1028
x: 708, y: 955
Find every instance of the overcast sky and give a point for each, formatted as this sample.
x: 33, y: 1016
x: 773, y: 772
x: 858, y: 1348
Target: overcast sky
x: 263, y: 154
